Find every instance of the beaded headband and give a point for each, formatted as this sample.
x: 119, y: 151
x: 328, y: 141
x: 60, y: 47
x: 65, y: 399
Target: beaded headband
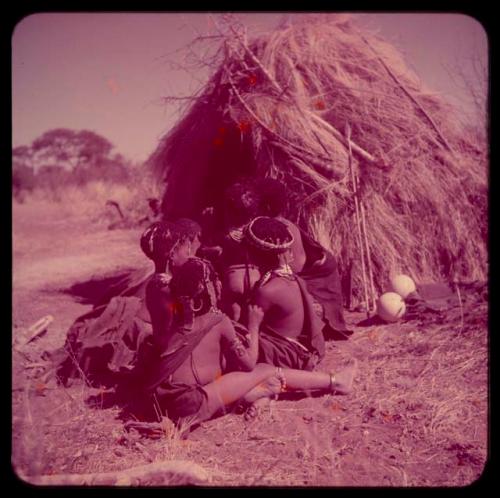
x: 265, y: 245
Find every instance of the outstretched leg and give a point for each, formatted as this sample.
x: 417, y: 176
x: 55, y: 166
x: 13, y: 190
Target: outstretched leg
x: 266, y: 380
x: 298, y: 380
x: 266, y: 389
x: 301, y: 380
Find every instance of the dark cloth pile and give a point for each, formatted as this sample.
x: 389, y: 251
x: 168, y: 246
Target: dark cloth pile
x: 439, y: 302
x: 322, y: 278
x: 103, y: 344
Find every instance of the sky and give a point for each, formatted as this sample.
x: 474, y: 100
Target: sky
x: 108, y: 72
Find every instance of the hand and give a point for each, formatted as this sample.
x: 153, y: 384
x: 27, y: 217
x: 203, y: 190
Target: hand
x: 217, y: 250
x: 255, y: 316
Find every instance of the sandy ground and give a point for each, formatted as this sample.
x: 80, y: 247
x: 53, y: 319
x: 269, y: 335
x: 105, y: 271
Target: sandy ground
x: 417, y: 416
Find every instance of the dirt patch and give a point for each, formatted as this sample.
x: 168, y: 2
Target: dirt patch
x: 417, y: 416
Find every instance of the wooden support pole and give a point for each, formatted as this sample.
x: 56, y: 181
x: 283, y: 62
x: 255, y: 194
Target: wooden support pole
x: 358, y: 221
x: 368, y: 253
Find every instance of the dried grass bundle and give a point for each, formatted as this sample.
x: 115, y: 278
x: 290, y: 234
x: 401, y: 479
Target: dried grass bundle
x: 278, y: 106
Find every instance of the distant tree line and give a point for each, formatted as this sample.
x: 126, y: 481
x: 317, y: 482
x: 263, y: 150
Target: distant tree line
x: 62, y: 157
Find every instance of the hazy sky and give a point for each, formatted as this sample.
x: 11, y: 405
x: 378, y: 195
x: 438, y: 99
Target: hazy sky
x: 107, y: 72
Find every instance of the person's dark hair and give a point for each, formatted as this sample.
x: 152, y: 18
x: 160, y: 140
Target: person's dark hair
x: 196, y: 280
x: 266, y: 238
x: 242, y: 200
x: 188, y: 281
x: 158, y: 240
x: 187, y: 229
x: 273, y: 197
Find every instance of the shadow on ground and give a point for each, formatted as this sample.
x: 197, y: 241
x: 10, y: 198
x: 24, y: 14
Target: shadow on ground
x: 99, y: 290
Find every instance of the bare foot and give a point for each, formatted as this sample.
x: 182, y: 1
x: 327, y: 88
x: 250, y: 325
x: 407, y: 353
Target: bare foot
x: 253, y: 409
x: 342, y: 381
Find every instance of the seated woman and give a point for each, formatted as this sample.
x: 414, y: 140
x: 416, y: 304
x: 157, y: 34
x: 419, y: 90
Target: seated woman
x: 240, y: 205
x: 291, y: 332
x: 104, y: 342
x: 185, y: 379
x: 312, y: 262
x: 169, y: 246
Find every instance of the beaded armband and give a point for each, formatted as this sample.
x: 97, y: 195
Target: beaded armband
x: 237, y: 346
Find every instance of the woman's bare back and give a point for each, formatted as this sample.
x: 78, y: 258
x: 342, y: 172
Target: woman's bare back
x: 281, y: 300
x: 203, y: 365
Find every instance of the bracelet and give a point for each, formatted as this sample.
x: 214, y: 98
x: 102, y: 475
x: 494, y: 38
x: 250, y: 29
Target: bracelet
x: 238, y: 347
x: 281, y: 377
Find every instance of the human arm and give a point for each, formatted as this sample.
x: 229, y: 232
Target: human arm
x: 264, y: 297
x: 244, y: 357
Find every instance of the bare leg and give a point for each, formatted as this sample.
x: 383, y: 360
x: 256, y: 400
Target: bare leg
x: 263, y: 382
x: 253, y: 409
x: 234, y: 385
x: 260, y: 396
x: 342, y: 381
x: 301, y: 380
x: 268, y: 388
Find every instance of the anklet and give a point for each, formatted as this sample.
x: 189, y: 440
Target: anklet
x: 332, y: 382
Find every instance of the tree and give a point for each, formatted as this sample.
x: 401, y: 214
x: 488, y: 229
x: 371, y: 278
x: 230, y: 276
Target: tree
x: 51, y: 178
x: 62, y: 156
x: 70, y: 149
x: 22, y: 155
x: 23, y: 176
x: 23, y: 180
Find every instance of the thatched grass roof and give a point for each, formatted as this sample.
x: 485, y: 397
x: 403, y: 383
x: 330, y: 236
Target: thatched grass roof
x: 282, y: 105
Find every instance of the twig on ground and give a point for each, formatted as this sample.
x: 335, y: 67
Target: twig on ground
x: 38, y: 328
x: 158, y: 473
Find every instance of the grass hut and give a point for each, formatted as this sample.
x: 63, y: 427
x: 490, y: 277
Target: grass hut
x: 305, y: 103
